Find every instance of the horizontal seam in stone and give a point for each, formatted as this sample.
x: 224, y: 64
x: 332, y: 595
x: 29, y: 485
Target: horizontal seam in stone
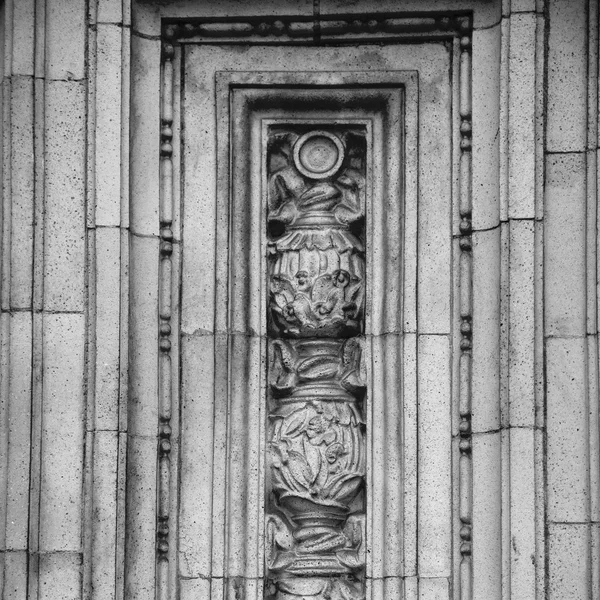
x: 42, y: 311
x: 554, y: 152
x: 486, y: 27
x: 139, y: 436
x: 146, y: 36
x: 574, y: 522
x: 149, y: 236
x: 49, y: 552
x: 103, y: 430
x: 483, y: 230
x: 94, y: 26
x: 553, y: 336
x: 100, y: 226
x: 506, y: 428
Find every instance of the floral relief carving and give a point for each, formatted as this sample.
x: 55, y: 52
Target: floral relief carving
x: 316, y: 431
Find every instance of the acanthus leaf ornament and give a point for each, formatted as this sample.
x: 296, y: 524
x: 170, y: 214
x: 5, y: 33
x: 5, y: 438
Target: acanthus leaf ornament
x: 316, y: 431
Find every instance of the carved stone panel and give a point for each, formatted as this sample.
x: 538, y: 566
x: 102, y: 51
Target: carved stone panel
x: 299, y: 466
x: 316, y: 429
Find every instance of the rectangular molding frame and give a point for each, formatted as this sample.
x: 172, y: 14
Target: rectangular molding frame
x: 154, y: 407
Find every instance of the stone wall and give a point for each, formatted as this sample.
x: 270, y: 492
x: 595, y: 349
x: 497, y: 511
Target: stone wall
x: 95, y: 338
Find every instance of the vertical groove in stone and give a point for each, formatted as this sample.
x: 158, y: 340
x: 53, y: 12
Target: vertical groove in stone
x: 503, y: 117
x: 465, y: 477
x: 4, y: 317
x: 539, y: 435
x: 593, y: 98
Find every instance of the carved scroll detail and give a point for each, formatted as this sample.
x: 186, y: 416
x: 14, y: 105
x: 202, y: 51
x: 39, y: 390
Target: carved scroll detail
x: 316, y: 432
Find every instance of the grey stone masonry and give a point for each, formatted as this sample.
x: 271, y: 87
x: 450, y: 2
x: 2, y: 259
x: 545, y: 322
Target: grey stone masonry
x: 299, y: 299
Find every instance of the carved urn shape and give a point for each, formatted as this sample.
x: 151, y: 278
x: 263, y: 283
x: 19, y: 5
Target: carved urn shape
x: 316, y: 432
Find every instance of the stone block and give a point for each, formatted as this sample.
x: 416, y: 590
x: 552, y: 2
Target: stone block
x: 64, y: 235
x: 62, y: 443
x: 60, y: 576
x: 433, y: 588
x: 522, y: 320
x: 594, y: 425
x: 196, y: 470
x: 107, y: 327
x: 145, y: 19
x: 522, y: 513
x: 434, y: 466
x: 522, y: 6
x: 565, y: 245
x: 191, y: 589
x: 14, y: 585
x: 140, y: 541
x: 434, y: 260
x: 19, y: 432
x: 22, y: 37
x: 107, y: 168
x: 145, y: 135
x: 109, y: 11
x: 487, y: 516
x: 486, y: 141
x: 486, y: 331
x: 567, y: 430
x: 104, y: 515
x: 65, y: 39
x: 21, y: 192
x: 567, y: 76
x: 595, y: 560
x: 521, y: 116
x: 568, y: 561
x: 143, y: 350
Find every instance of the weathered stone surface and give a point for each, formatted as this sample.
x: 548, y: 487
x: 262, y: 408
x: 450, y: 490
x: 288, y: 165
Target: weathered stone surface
x: 64, y: 235
x: 479, y: 420
x: 521, y: 121
x: 65, y: 39
x: 486, y: 113
x: 60, y: 576
x: 487, y: 515
x: 62, y: 442
x: 21, y: 192
x: 522, y: 322
x: 569, y: 561
x: 567, y: 76
x: 107, y: 143
x: 108, y: 320
x: 564, y: 245
x: 567, y: 422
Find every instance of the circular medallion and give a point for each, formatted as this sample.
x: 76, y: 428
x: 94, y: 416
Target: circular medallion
x: 318, y: 154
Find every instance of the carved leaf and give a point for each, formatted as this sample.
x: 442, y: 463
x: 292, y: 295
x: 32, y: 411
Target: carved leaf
x: 349, y: 558
x: 317, y: 367
x: 343, y: 487
x: 321, y: 288
x: 299, y: 469
x: 296, y: 423
x: 313, y: 457
x: 282, y: 560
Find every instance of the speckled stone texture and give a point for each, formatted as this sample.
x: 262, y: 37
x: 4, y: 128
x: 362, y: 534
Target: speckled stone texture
x: 143, y: 393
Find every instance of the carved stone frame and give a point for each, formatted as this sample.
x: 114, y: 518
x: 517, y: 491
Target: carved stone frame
x: 457, y: 31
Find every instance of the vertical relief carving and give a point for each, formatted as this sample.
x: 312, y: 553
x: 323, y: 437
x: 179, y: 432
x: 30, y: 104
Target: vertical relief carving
x: 316, y: 430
